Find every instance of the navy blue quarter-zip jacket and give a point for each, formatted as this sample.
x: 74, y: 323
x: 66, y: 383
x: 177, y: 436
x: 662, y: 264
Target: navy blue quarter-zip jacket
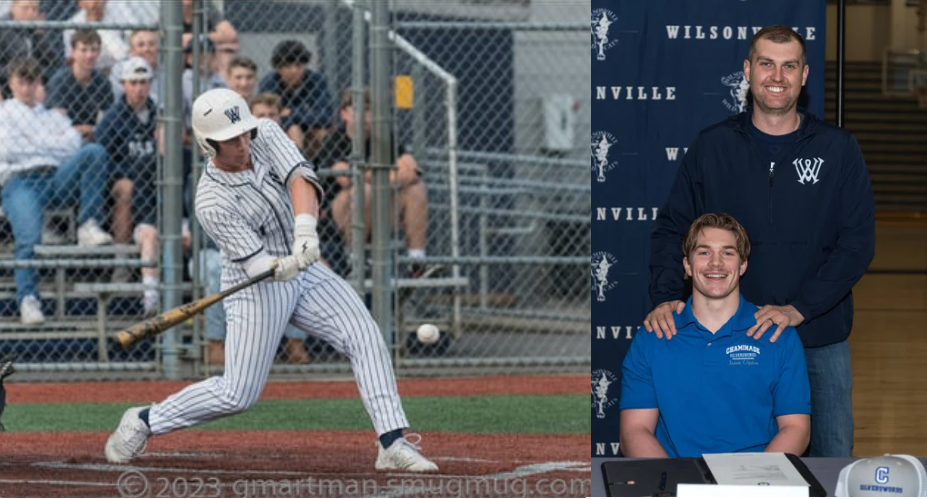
x: 810, y: 217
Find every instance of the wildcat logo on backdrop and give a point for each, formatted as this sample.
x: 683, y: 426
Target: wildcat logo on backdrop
x: 602, y: 19
x: 601, y: 380
x: 601, y: 143
x: 808, y: 169
x: 602, y: 261
x: 743, y: 355
x: 739, y: 88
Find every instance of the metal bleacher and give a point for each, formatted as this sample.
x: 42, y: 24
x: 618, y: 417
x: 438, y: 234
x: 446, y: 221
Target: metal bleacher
x: 75, y: 291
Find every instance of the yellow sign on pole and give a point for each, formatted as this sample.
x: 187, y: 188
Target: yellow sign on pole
x: 405, y: 92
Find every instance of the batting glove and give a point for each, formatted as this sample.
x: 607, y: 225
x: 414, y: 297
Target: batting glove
x: 287, y: 267
x: 306, y: 240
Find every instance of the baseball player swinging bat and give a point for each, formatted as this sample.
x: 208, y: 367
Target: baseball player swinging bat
x: 170, y: 318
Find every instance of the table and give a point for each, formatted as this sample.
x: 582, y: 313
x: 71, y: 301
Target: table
x: 825, y: 469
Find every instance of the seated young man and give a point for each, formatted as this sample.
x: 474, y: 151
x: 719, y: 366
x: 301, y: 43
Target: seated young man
x: 712, y: 389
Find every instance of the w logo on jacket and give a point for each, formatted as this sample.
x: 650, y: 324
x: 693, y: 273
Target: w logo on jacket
x: 808, y: 169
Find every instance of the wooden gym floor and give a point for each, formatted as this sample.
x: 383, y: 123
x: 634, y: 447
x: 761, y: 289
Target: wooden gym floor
x: 889, y: 343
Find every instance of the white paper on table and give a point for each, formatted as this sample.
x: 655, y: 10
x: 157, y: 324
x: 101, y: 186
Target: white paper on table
x: 753, y: 468
x: 711, y: 491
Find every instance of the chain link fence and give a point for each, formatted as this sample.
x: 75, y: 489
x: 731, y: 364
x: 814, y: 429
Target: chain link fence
x: 490, y: 235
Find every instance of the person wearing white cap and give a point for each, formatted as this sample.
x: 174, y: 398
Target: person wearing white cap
x: 891, y: 475
x: 128, y: 132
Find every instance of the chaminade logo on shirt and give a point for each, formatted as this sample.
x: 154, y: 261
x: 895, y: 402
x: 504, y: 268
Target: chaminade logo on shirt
x: 743, y: 355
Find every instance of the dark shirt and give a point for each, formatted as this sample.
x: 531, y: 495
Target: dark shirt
x: 125, y: 137
x: 81, y: 103
x: 42, y: 45
x: 310, y: 104
x: 811, y: 220
x: 771, y: 146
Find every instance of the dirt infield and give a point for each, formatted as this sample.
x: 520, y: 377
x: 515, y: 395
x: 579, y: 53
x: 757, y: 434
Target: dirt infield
x: 294, y: 463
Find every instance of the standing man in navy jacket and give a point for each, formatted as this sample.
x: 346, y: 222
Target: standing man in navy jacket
x: 801, y: 189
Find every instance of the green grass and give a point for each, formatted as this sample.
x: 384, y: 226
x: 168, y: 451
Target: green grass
x: 545, y: 414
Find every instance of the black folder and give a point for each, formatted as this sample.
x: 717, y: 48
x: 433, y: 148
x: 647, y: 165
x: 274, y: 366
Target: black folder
x: 659, y: 477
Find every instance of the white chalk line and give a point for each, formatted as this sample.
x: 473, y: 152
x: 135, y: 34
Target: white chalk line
x: 520, y: 472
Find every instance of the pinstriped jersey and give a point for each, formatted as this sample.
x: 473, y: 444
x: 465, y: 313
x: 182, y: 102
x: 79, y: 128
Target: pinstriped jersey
x: 249, y: 211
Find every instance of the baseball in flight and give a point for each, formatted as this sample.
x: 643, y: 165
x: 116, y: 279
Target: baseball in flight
x: 428, y: 334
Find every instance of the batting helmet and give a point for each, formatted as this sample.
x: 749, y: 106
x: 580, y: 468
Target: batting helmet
x: 220, y: 114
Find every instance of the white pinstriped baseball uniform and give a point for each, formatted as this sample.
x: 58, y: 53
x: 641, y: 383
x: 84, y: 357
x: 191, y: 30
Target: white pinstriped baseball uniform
x: 247, y: 212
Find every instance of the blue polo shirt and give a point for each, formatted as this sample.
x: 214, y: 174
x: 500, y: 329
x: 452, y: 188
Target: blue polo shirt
x: 716, y: 392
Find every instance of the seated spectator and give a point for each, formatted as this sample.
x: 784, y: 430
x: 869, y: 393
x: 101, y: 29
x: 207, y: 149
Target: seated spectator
x: 209, y: 79
x: 242, y: 76
x: 410, y: 196
x: 713, y: 389
x: 268, y: 104
x: 221, y: 33
x: 39, y: 44
x: 304, y: 94
x: 112, y: 43
x: 81, y: 92
x: 43, y: 165
x: 144, y: 44
x: 128, y: 132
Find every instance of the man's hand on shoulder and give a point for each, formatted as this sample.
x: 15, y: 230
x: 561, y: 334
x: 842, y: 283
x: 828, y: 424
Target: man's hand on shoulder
x: 781, y: 316
x: 661, y: 320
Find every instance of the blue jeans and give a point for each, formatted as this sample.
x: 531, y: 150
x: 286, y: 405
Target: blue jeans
x: 831, y: 405
x: 78, y: 180
x: 211, y: 275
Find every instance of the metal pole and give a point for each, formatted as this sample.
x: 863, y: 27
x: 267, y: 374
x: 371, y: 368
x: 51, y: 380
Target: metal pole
x: 359, y: 150
x: 199, y: 237
x: 381, y: 147
x: 330, y: 46
x: 841, y: 56
x: 454, y: 199
x: 172, y: 182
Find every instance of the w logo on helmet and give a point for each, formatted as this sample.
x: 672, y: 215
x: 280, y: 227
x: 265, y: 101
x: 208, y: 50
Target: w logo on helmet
x: 233, y: 114
x: 808, y: 169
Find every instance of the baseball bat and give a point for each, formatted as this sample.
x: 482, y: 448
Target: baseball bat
x: 170, y: 318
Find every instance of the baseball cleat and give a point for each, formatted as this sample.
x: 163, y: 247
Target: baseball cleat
x: 403, y: 455
x: 129, y: 439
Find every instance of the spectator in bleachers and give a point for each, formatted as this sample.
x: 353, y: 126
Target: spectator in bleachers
x: 267, y: 105
x: 42, y: 45
x: 304, y: 93
x: 144, y: 44
x: 241, y: 76
x: 112, y: 45
x: 43, y: 165
x: 209, y: 78
x: 220, y: 31
x: 128, y: 133
x: 80, y: 91
x: 410, y: 197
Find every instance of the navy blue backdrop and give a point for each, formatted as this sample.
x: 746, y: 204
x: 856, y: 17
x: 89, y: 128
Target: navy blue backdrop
x: 661, y: 71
